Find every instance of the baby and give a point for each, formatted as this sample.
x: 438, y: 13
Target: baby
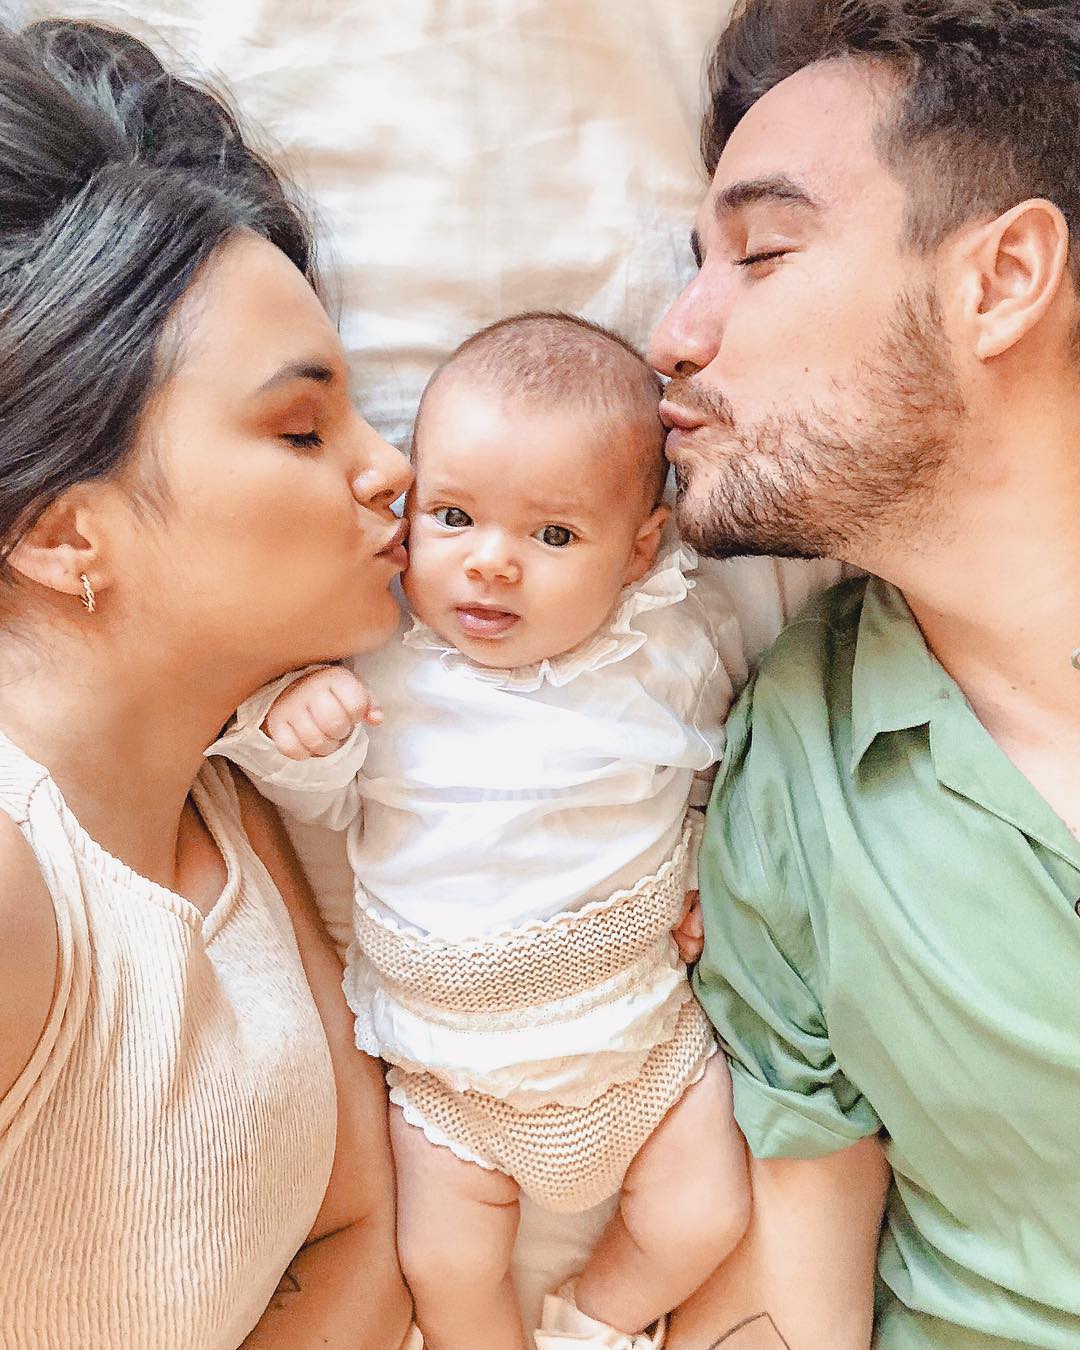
x: 522, y: 845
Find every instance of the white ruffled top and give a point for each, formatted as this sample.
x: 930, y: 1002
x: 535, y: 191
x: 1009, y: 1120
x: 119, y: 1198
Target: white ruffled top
x: 491, y: 799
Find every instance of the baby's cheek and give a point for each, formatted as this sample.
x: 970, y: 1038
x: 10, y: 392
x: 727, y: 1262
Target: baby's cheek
x: 410, y: 580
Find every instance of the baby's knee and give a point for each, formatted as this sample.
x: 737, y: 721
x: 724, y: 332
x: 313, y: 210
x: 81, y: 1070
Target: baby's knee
x: 690, y: 1216
x: 448, y: 1263
x: 690, y: 1200
x: 714, y: 1218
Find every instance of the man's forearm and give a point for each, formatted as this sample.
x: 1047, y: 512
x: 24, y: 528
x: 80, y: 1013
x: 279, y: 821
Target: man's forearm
x: 803, y: 1277
x: 342, y: 1292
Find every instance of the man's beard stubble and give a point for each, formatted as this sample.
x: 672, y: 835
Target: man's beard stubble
x: 824, y: 483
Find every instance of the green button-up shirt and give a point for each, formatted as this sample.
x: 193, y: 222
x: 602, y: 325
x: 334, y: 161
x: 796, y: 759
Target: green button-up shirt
x: 892, y: 942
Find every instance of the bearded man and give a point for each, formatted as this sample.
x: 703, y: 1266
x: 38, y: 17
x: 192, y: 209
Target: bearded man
x: 879, y: 361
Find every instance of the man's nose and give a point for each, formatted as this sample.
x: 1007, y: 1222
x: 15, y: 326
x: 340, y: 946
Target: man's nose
x: 492, y: 558
x: 688, y: 336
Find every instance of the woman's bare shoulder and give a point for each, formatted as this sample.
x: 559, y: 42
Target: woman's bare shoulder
x: 28, y: 948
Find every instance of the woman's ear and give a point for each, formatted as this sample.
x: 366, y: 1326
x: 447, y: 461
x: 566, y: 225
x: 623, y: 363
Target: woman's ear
x: 1015, y: 266
x: 646, y: 542
x: 62, y: 547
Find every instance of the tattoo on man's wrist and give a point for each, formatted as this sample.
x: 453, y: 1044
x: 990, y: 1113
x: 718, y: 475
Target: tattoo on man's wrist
x: 757, y: 1332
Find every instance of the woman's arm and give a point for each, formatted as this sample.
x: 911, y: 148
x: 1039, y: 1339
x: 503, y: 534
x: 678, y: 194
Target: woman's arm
x: 803, y: 1277
x: 343, y: 1290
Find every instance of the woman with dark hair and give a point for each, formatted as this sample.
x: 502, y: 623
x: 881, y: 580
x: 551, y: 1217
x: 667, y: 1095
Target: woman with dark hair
x: 189, y: 505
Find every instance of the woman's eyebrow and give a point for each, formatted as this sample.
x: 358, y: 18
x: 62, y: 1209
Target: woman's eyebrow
x: 299, y: 370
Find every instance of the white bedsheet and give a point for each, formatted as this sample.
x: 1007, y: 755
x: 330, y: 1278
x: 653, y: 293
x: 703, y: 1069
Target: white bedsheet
x: 470, y: 158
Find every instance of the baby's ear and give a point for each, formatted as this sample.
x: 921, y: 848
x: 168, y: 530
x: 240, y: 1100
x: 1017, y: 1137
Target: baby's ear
x: 646, y: 542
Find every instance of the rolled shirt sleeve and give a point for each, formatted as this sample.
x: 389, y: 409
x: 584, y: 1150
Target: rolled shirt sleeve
x: 763, y: 974
x: 319, y: 790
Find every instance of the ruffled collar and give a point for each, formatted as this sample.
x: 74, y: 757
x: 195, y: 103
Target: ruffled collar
x: 666, y: 584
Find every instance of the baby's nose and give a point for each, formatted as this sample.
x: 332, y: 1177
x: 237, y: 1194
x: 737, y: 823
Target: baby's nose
x: 492, y: 559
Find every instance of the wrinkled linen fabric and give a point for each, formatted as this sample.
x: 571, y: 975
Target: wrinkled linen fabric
x: 468, y: 158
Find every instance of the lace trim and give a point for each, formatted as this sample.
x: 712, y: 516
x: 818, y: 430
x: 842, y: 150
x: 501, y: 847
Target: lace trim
x: 575, y: 1080
x: 667, y: 584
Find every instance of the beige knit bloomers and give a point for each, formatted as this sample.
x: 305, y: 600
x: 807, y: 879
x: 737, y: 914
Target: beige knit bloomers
x: 549, y: 1052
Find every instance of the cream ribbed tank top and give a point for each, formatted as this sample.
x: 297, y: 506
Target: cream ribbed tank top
x: 165, y: 1151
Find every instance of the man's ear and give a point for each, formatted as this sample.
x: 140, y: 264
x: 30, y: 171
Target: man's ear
x: 646, y: 542
x: 62, y: 546
x: 1014, y: 267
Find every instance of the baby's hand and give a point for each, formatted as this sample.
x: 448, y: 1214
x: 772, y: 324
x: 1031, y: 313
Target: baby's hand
x: 316, y: 715
x: 689, y: 932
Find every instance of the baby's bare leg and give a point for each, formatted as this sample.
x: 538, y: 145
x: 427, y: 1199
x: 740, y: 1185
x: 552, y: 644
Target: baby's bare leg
x: 684, y: 1205
x: 455, y: 1229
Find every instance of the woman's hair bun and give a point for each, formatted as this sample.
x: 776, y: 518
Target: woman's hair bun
x: 118, y: 183
x: 109, y: 101
x: 51, y: 140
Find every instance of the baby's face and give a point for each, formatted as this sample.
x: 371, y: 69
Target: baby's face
x: 523, y: 528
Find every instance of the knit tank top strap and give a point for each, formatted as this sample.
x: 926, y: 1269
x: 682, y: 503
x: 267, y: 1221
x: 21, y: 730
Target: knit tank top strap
x: 32, y: 800
x: 19, y: 777
x: 218, y: 803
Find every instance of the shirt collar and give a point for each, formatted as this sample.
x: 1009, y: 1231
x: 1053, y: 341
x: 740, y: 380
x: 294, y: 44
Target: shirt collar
x: 896, y: 683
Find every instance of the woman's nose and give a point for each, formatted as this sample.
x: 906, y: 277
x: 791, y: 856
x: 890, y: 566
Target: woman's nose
x: 385, y: 473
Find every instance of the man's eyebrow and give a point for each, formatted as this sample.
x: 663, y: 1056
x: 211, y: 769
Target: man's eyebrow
x: 775, y: 188
x: 299, y: 370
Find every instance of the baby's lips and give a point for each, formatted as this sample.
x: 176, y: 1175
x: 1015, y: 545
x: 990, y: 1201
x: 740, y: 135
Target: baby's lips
x: 485, y: 621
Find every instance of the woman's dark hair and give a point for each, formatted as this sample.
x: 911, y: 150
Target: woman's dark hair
x: 984, y: 111
x: 118, y: 182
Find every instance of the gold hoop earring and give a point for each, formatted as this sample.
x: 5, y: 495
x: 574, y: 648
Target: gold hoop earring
x: 89, y: 599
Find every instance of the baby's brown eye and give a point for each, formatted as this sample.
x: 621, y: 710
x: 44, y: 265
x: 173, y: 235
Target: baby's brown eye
x: 555, y: 536
x: 453, y: 517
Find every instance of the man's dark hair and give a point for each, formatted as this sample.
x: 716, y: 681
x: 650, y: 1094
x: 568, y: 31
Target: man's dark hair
x: 118, y: 182
x: 984, y: 111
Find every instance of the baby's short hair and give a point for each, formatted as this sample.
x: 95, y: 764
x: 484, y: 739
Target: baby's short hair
x: 549, y: 359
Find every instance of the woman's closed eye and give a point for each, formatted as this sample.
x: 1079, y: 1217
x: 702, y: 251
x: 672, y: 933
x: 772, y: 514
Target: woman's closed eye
x: 555, y: 536
x: 453, y: 517
x: 303, y: 440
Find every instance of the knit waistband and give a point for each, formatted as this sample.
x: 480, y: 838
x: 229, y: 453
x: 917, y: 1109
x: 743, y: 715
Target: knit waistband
x: 532, y: 965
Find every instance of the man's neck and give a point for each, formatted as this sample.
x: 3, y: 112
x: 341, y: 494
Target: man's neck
x: 997, y: 596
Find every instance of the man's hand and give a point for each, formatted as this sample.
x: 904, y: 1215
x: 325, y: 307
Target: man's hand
x: 316, y: 715
x: 689, y: 932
